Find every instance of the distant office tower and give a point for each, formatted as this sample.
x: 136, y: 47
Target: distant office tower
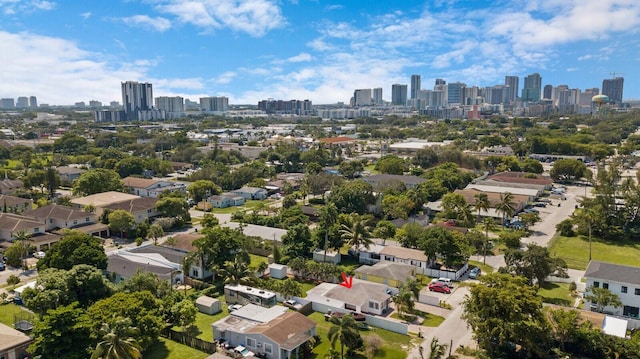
x: 513, y: 83
x: 80, y: 104
x: 455, y: 91
x: 23, y: 102
x: 7, y: 103
x: 415, y: 86
x: 437, y: 98
x: 532, y: 88
x: 440, y: 82
x: 377, y: 96
x: 136, y: 97
x: 399, y: 94
x: 33, y: 102
x: 114, y: 104
x: 109, y: 116
x: 613, y: 89
x: 496, y: 94
x: 214, y: 104
x: 362, y: 97
x: 170, y: 104
x: 587, y: 95
x: 470, y: 95
x: 547, y: 94
x: 95, y: 104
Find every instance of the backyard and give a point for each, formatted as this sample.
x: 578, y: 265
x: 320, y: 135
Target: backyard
x: 7, y: 311
x: 575, y: 251
x: 168, y: 349
x: 556, y: 293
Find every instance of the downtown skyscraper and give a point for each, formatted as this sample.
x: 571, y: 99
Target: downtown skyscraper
x: 613, y: 88
x: 415, y: 86
x: 532, y: 88
x: 136, y: 97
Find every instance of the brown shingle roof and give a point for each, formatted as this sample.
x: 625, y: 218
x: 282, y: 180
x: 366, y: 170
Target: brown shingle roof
x: 56, y: 211
x: 137, y: 182
x: 339, y: 139
x: 14, y: 222
x: 404, y: 253
x: 289, y: 330
x: 8, y: 184
x: 520, y: 177
x: 184, y: 241
x: 134, y: 205
x: 12, y: 201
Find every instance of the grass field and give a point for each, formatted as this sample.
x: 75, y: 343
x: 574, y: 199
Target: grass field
x: 430, y: 320
x: 556, y: 293
x: 7, y: 311
x: 202, y: 327
x: 168, y: 349
x: 248, y: 205
x: 391, y: 349
x: 484, y: 268
x: 575, y: 251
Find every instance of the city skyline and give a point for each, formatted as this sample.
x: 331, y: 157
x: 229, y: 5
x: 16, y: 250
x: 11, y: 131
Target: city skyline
x: 251, y: 50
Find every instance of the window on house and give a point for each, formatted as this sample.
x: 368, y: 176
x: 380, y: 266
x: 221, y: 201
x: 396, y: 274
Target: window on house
x: 195, y: 273
x: 268, y: 348
x: 629, y: 311
x: 222, y: 334
x: 596, y: 284
x: 372, y: 305
x: 637, y: 291
x: 251, y: 342
x: 75, y: 221
x: 36, y: 230
x: 605, y: 285
x: 623, y: 289
x: 50, y: 220
x: 86, y: 219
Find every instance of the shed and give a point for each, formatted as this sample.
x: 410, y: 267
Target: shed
x: 208, y: 305
x: 332, y: 257
x: 278, y: 271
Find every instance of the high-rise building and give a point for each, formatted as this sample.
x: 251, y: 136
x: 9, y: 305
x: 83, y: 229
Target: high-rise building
x: 170, y: 104
x: 532, y: 88
x: 214, y: 104
x: 512, y: 83
x: 114, y: 104
x: 362, y: 97
x: 95, y: 104
x: 455, y: 92
x: 7, y: 103
x: 440, y: 82
x: 33, y: 102
x: 136, y: 97
x: 415, y: 86
x: 548, y: 92
x: 587, y: 95
x: 377, y: 96
x: 613, y: 89
x: 23, y: 102
x: 399, y: 94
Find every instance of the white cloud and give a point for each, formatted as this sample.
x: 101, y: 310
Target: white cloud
x: 585, y: 57
x: 43, y: 5
x: 333, y: 7
x: 254, y: 17
x: 86, y: 15
x: 225, y: 77
x: 302, y: 57
x: 11, y: 7
x: 158, y: 24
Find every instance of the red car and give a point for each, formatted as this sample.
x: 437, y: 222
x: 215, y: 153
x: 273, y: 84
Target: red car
x: 439, y: 287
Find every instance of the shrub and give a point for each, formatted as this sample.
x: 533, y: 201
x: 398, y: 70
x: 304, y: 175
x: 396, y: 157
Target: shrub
x: 139, y: 241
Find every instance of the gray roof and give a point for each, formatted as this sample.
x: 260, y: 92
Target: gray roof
x: 359, y: 293
x: 388, y: 270
x: 169, y: 253
x: 387, y: 177
x: 613, y: 272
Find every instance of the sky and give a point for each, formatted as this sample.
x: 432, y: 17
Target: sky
x: 68, y: 51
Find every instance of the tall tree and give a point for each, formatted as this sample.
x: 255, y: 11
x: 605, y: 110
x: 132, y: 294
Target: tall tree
x: 97, y: 181
x: 155, y: 232
x: 385, y: 230
x: 506, y: 206
x: 328, y: 216
x: 345, y: 330
x: 481, y: 203
x: 602, y: 298
x: 236, y: 272
x: 118, y: 341
x: 437, y: 350
x: 74, y: 248
x: 121, y: 221
x: 355, y: 231
x: 63, y: 332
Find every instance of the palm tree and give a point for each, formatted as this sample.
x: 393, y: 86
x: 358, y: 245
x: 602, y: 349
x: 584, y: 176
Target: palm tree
x: 437, y: 350
x: 155, y: 232
x: 118, y: 342
x: 404, y: 301
x: 589, y: 216
x: 481, y: 203
x: 356, y: 232
x: 344, y: 329
x: 236, y: 272
x: 91, y: 208
x: 24, y: 239
x: 328, y: 217
x: 506, y: 206
x: 488, y: 225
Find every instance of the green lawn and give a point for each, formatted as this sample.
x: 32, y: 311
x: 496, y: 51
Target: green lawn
x: 256, y: 260
x: 391, y: 349
x: 7, y: 311
x: 168, y: 349
x: 372, y: 169
x: 556, y: 293
x: 430, y: 320
x: 203, y: 329
x: 248, y: 205
x: 484, y: 268
x: 575, y: 251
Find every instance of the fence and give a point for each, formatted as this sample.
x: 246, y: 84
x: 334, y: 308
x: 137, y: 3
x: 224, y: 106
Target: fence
x: 188, y: 340
x: 197, y: 284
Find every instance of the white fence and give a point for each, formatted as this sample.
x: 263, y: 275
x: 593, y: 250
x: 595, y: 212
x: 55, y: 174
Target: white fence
x: 372, y: 320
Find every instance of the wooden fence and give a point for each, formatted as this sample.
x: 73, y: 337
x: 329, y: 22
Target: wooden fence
x: 188, y: 340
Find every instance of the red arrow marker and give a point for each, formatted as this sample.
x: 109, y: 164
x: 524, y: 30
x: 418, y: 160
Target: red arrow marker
x: 348, y: 282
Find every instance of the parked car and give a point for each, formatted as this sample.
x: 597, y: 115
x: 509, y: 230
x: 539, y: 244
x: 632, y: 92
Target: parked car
x: 39, y: 255
x: 439, y: 287
x: 445, y: 281
x: 539, y: 204
x: 474, y: 273
x: 2, y: 266
x: 290, y: 303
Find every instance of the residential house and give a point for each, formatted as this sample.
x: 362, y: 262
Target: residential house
x: 56, y: 216
x: 225, y: 200
x: 362, y: 297
x: 12, y: 204
x: 11, y: 223
x: 521, y: 177
x: 163, y: 262
x: 240, y: 294
x: 145, y: 187
x: 520, y: 201
x: 380, y: 182
x: 13, y: 343
x: 621, y: 280
x: 142, y: 208
x: 410, y: 256
x: 9, y: 186
x: 506, y: 188
x: 100, y: 200
x: 181, y: 166
x: 274, y: 332
x: 251, y: 192
x: 387, y: 273
x: 69, y: 174
x: 184, y: 242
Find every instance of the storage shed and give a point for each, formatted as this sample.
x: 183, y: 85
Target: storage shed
x: 278, y: 271
x: 208, y: 305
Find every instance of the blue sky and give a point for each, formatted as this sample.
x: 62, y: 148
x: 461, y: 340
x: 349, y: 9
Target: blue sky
x: 77, y: 50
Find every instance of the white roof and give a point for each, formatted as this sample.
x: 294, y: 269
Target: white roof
x: 258, y: 313
x: 504, y: 189
x: 437, y: 206
x: 155, y: 259
x: 21, y: 288
x: 419, y: 144
x: 615, y: 326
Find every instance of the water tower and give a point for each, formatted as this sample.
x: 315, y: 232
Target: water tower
x: 596, y: 102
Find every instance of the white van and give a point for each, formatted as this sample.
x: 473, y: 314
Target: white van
x: 447, y: 281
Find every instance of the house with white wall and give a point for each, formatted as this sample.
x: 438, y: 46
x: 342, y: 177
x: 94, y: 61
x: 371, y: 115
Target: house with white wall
x: 621, y: 280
